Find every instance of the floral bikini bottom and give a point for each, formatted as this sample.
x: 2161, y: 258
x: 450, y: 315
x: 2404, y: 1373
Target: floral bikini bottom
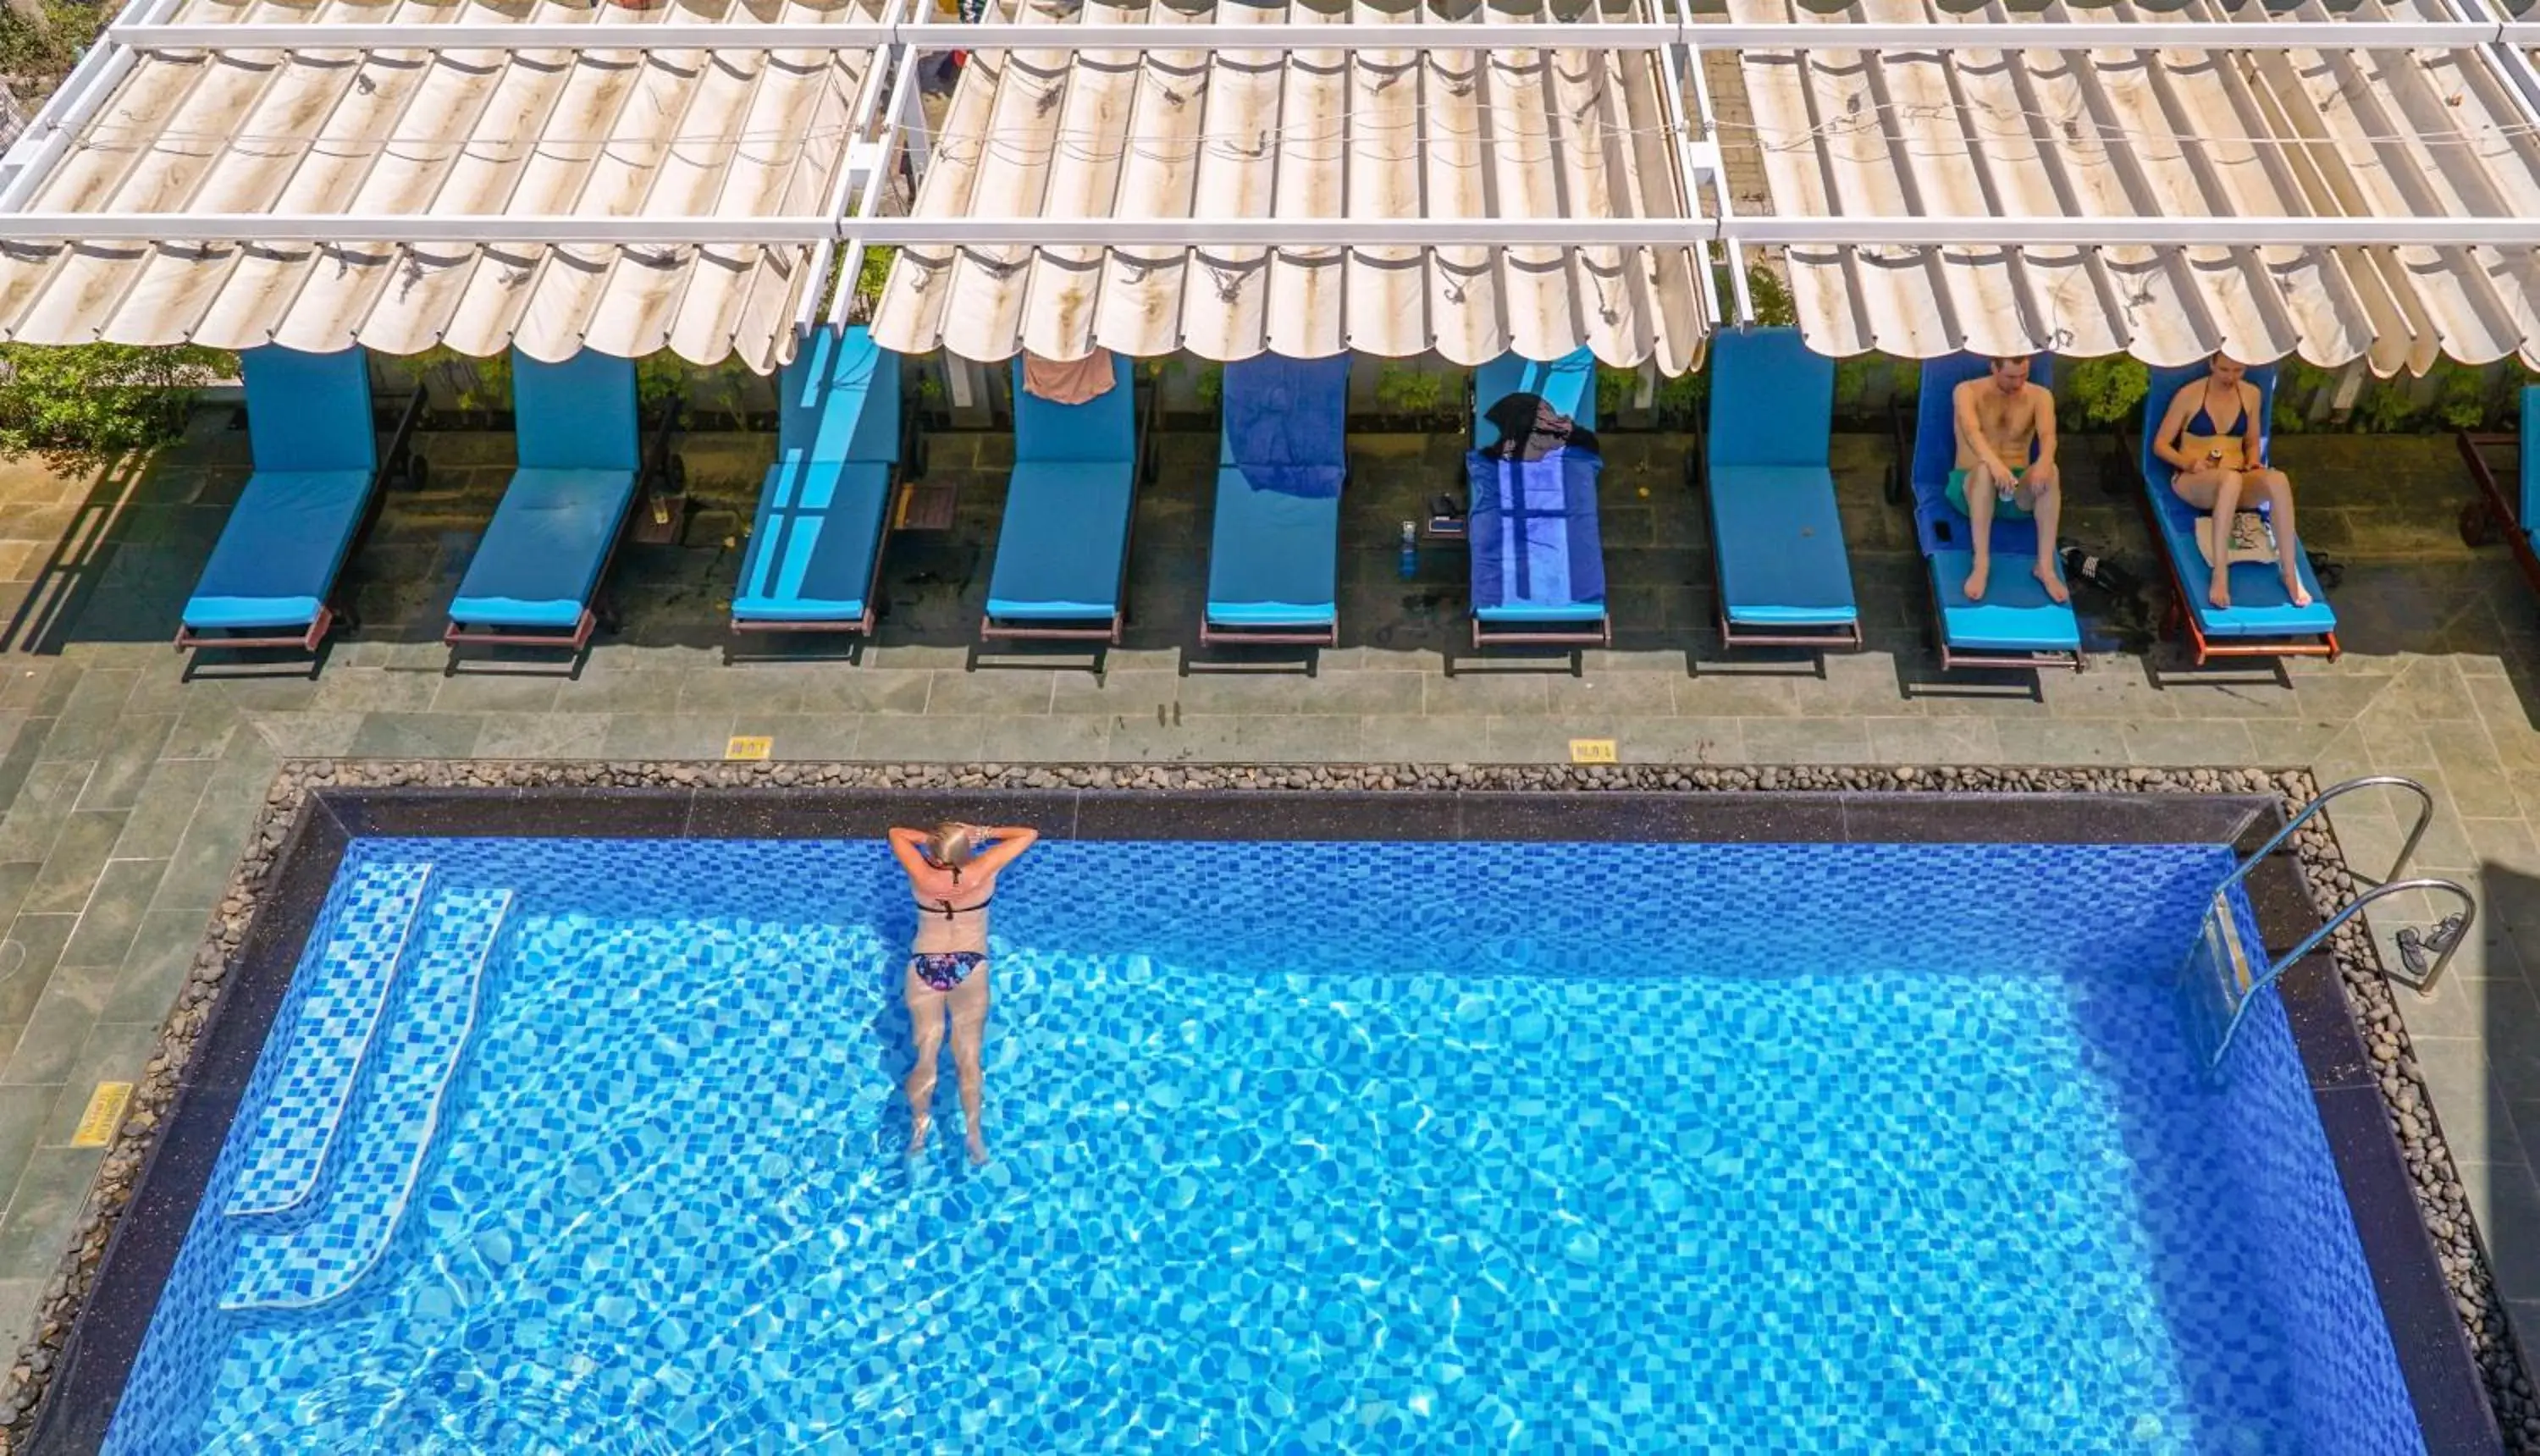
x: 945, y: 969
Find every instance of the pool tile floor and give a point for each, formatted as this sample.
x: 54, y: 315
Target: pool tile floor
x: 126, y: 790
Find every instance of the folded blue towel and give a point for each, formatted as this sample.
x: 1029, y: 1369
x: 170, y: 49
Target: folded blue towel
x: 1285, y: 423
x: 1533, y: 530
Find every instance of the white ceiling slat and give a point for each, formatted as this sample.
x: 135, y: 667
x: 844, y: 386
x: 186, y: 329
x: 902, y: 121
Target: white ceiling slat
x: 1394, y: 175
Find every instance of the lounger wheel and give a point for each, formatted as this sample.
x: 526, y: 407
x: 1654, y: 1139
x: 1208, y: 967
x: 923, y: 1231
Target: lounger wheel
x: 1894, y: 486
x: 917, y: 455
x: 675, y: 477
x: 418, y: 471
x: 2478, y: 526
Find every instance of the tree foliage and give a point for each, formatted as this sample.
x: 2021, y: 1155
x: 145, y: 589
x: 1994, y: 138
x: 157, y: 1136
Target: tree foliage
x: 94, y: 399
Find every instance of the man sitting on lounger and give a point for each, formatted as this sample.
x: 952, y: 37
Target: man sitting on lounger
x: 1999, y: 416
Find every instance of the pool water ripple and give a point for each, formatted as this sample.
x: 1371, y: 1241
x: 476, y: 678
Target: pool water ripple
x: 1632, y: 1147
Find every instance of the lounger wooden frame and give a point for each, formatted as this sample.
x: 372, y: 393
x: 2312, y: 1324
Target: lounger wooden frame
x: 599, y: 609
x: 2498, y: 508
x: 334, y: 610
x: 1545, y: 634
x: 2181, y: 616
x: 1142, y: 401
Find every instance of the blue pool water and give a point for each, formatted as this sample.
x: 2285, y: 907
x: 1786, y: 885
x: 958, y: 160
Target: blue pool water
x: 1430, y: 1146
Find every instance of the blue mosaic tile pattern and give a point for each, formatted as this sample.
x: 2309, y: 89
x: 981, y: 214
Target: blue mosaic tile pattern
x: 350, y: 983
x: 1555, y: 1148
x: 296, y: 1263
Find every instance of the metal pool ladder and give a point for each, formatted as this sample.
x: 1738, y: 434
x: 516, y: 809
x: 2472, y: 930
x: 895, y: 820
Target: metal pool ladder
x: 2219, y: 977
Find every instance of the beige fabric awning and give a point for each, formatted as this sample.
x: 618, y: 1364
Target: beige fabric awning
x: 589, y: 132
x: 2160, y: 134
x: 1363, y: 134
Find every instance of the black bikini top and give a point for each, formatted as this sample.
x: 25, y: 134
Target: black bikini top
x: 947, y: 908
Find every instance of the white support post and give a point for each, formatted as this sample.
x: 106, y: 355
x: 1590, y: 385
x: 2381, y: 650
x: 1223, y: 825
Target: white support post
x: 842, y: 186
x: 904, y: 90
x: 1688, y: 176
x: 1725, y: 207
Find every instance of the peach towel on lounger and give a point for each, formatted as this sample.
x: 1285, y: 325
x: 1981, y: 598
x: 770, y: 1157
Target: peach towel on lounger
x: 1068, y: 383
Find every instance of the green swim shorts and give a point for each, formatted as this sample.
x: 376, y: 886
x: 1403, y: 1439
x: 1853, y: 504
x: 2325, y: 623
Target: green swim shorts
x: 2003, y: 510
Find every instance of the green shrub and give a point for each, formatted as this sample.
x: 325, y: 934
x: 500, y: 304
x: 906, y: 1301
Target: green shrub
x: 2464, y: 398
x: 1770, y: 296
x: 661, y: 382
x: 95, y: 399
x: 2104, y: 392
x: 874, y: 270
x: 1616, y: 389
x: 2297, y: 384
x: 1209, y: 384
x: 1401, y: 390
x: 1680, y: 398
x: 50, y: 48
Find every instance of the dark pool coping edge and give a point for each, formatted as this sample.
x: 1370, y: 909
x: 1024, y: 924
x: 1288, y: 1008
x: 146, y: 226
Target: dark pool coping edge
x: 317, y: 808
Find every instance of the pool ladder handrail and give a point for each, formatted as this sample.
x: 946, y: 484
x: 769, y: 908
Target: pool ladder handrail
x: 2389, y: 884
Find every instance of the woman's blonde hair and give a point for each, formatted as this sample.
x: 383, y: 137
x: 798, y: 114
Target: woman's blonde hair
x: 952, y: 846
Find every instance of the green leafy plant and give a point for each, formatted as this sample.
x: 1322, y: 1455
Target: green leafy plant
x: 1770, y: 296
x: 1616, y: 389
x: 874, y: 270
x: 1401, y: 390
x: 1681, y: 397
x: 2104, y: 391
x: 1851, y: 384
x: 1209, y: 384
x: 2297, y: 386
x: 49, y: 46
x: 661, y: 382
x: 95, y: 399
x: 482, y: 386
x: 2386, y: 407
x: 2464, y: 398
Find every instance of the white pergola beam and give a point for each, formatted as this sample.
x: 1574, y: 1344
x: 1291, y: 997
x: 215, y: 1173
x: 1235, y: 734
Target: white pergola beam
x: 1295, y: 233
x: 997, y: 35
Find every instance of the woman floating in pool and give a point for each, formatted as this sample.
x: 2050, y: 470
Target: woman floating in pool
x: 952, y: 869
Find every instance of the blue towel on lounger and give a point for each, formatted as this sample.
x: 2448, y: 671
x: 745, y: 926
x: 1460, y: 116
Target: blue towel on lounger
x: 1284, y: 424
x: 1533, y: 531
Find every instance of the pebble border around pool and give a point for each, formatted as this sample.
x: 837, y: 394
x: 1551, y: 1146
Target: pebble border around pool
x: 2440, y: 1197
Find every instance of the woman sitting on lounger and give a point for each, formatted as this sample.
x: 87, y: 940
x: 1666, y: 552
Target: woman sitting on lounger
x: 952, y: 870
x: 2214, y: 438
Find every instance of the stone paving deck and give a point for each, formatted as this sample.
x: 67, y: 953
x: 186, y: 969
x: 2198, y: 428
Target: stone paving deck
x: 128, y: 788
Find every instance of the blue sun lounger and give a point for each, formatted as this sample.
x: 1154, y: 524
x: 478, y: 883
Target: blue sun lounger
x: 1273, y: 555
x: 537, y: 574
x: 814, y: 558
x: 1538, y: 567
x: 1062, y: 567
x: 2017, y: 625
x: 2514, y: 517
x: 272, y: 576
x: 2262, y: 620
x: 1776, y: 538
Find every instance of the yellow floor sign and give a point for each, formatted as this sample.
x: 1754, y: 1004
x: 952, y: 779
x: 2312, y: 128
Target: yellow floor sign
x: 1591, y: 751
x: 105, y: 1111
x: 748, y: 750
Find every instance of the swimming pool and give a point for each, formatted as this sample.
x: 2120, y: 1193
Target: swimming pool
x: 1370, y: 1147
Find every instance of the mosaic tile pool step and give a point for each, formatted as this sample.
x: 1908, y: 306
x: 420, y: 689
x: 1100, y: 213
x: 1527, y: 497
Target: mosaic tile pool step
x: 334, y: 1030
x: 318, y: 1258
